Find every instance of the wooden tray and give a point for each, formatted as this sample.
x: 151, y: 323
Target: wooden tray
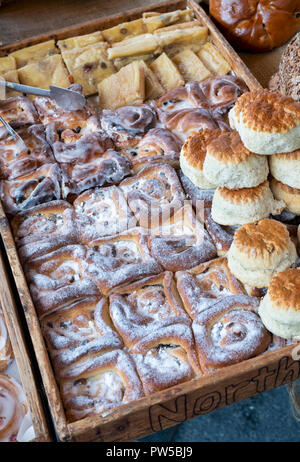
x: 28, y: 375
x: 179, y: 403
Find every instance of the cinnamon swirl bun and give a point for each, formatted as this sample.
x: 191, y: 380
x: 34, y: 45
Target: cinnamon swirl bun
x: 230, y: 332
x: 13, y: 408
x: 18, y: 111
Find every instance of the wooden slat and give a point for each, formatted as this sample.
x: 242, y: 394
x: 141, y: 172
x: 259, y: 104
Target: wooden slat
x: 21, y: 353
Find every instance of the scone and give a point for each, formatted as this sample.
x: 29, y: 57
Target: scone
x: 280, y: 308
x: 240, y: 206
x: 284, y: 192
x: 286, y: 168
x: 192, y: 157
x: 228, y: 163
x: 267, y: 122
x: 259, y: 251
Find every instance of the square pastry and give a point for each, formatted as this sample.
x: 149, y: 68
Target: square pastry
x: 15, y: 160
x: 166, y: 357
x: 99, y: 384
x: 59, y: 278
x: 181, y: 242
x: 124, y: 30
x: 117, y: 260
x: 80, y: 41
x: 143, y: 307
x: 88, y: 66
x: 206, y: 284
x: 79, y: 330
x: 37, y: 187
x: 44, y: 228
x: 8, y: 73
x: 34, y: 53
x: 46, y: 72
x: 98, y: 170
x: 102, y: 212
x: 18, y: 112
x: 50, y: 112
x: 154, y: 194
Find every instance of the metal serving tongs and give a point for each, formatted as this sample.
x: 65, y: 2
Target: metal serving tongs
x: 14, y: 134
x: 67, y: 99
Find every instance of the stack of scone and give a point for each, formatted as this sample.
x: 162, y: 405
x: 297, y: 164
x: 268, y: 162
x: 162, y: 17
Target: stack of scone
x: 256, y: 172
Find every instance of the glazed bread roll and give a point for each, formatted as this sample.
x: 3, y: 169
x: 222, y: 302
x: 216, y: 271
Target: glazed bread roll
x: 192, y: 157
x: 286, y: 168
x: 247, y: 205
x: 267, y: 122
x: 291, y: 196
x: 228, y: 163
x: 280, y: 308
x: 259, y: 251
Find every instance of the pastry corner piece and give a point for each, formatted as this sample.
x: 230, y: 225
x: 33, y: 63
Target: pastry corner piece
x: 42, y: 74
x: 125, y: 87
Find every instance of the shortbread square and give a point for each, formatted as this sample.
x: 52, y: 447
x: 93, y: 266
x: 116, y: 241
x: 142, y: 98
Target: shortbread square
x: 34, y: 53
x: 125, y: 87
x: 42, y: 74
x: 88, y: 66
x: 80, y: 41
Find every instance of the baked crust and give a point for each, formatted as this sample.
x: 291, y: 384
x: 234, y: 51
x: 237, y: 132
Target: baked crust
x: 195, y: 146
x: 284, y: 290
x: 228, y: 147
x: 244, y: 195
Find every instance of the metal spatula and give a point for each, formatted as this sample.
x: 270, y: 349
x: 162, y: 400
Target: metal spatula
x: 14, y: 134
x: 67, y: 99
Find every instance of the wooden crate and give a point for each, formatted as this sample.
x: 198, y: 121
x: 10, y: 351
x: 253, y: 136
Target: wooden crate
x: 179, y: 403
x: 28, y: 373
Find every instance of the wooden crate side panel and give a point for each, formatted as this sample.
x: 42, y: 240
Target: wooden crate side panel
x: 192, y: 399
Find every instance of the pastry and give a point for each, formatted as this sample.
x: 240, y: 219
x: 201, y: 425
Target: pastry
x: 13, y: 408
x: 246, y: 205
x: 59, y: 278
x: 144, y: 307
x: 203, y: 286
x: 77, y: 141
x: 99, y: 384
x: 181, y: 242
x: 290, y: 196
x: 49, y: 111
x: 99, y: 170
x: 229, y: 332
x: 125, y: 87
x: 259, y: 251
x: 8, y: 72
x: 285, y: 168
x: 34, y: 188
x: 166, y: 358
x: 80, y: 41
x: 158, y: 145
x: 154, y: 20
x: 186, y: 96
x: 279, y: 309
x: 200, y: 198
x: 190, y: 66
x: 120, y: 259
x: 166, y: 72
x: 18, y: 112
x: 258, y: 25
x: 15, y: 160
x: 228, y: 163
x: 44, y: 228
x: 89, y: 65
x: 6, y: 352
x: 213, y: 60
x: 154, y: 194
x: 267, y: 122
x: 127, y: 125
x: 124, y: 30
x: 288, y: 80
x: 139, y: 45
x: 153, y: 89
x: 46, y: 72
x: 34, y: 53
x: 81, y: 329
x: 192, y: 157
x: 102, y: 212
x: 188, y: 34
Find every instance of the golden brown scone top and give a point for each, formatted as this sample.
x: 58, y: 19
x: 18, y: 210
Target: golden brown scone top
x: 265, y: 237
x: 244, y: 195
x: 294, y: 155
x: 195, y: 146
x: 228, y: 148
x: 284, y: 289
x: 284, y: 187
x: 267, y: 111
